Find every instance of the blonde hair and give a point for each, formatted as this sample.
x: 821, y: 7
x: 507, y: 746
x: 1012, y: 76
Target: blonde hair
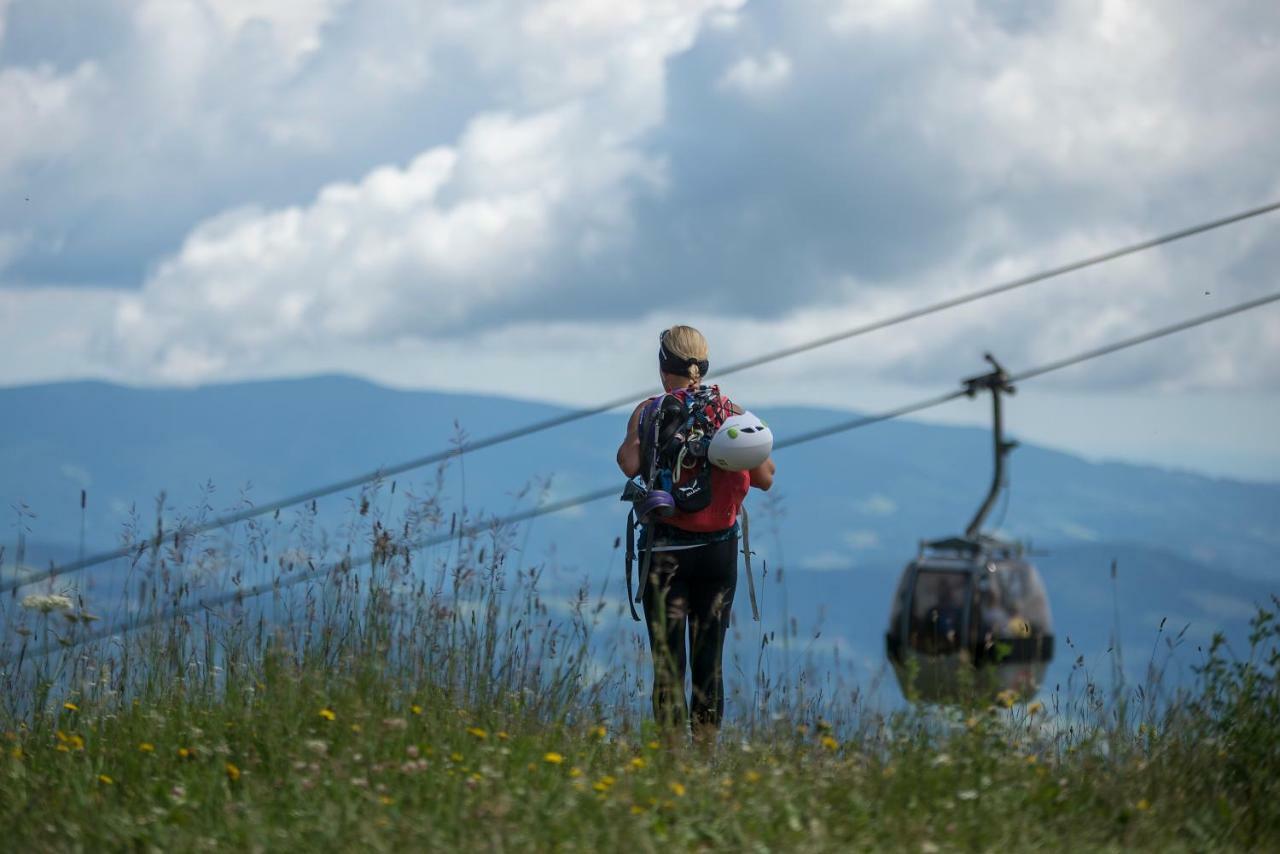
x: 685, y: 342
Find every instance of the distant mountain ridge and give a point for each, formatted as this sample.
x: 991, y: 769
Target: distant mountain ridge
x: 846, y: 515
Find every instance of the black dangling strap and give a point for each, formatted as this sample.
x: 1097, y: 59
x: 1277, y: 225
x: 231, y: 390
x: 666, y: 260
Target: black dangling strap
x: 630, y: 561
x: 646, y: 558
x: 746, y: 556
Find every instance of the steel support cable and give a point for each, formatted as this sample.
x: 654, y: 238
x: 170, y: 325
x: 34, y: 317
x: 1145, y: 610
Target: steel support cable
x: 612, y: 491
x: 579, y: 414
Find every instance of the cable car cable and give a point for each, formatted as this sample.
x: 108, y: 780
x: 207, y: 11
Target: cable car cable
x: 579, y: 414
x: 612, y: 491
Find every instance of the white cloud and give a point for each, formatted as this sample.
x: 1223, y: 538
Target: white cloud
x: 877, y: 505
x: 477, y: 194
x: 864, y: 538
x: 757, y: 77
x: 827, y: 561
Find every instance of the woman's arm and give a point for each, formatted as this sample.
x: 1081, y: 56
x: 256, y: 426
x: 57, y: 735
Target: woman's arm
x: 762, y: 475
x: 629, y: 450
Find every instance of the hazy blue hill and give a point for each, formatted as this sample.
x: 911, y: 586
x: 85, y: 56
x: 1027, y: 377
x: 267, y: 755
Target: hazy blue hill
x: 846, y: 515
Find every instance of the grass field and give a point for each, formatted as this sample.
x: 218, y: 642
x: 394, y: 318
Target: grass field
x: 376, y: 709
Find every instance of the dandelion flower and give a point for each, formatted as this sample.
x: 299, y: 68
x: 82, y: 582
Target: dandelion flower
x: 185, y: 753
x: 1007, y: 698
x: 1035, y: 708
x: 638, y: 763
x: 636, y: 809
x: 575, y: 773
x: 477, y: 732
x: 653, y: 745
x: 598, y: 731
x: 328, y: 714
x: 1143, y: 805
x: 357, y: 728
x: 416, y: 709
x: 830, y: 743
x: 502, y: 736
x: 71, y: 707
x: 753, y: 776
x: 105, y: 780
x: 552, y: 758
x: 678, y: 789
x: 455, y: 757
x: 146, y: 747
x: 233, y: 773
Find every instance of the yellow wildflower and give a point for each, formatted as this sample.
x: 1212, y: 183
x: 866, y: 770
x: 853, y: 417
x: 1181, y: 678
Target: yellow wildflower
x: 477, y: 732
x: 386, y: 800
x: 76, y: 742
x: 653, y: 745
x: 830, y: 743
x: 105, y: 780
x: 16, y: 753
x: 678, y: 789
x: 753, y: 776
x: 1007, y: 698
x: 71, y: 707
x: 638, y: 763
x: 636, y: 809
x: 328, y: 714
x: 233, y: 773
x: 455, y: 756
x: 185, y: 753
x: 1144, y: 805
x: 1035, y: 708
x: 502, y: 736
x: 416, y: 709
x: 1032, y: 759
x: 575, y: 773
x: 598, y: 731
x: 553, y: 758
x: 357, y: 728
x: 146, y: 747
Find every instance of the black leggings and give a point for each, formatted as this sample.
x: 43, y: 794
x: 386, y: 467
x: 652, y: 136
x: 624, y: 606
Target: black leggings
x: 694, y: 588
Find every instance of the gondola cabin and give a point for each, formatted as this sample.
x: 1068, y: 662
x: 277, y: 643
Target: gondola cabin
x: 970, y: 618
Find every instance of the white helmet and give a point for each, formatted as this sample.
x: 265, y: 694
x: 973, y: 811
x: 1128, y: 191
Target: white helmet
x: 742, y: 442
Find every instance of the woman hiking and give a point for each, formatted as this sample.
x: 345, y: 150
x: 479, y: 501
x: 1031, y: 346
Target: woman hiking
x: 692, y: 568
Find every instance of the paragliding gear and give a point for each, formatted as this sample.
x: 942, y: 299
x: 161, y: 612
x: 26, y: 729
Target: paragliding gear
x: 670, y: 363
x: 742, y: 443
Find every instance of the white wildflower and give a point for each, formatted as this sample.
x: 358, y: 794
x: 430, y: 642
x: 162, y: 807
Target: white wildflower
x: 967, y: 794
x: 45, y: 604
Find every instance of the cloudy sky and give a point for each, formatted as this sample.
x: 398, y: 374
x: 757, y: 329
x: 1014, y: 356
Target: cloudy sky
x: 514, y: 197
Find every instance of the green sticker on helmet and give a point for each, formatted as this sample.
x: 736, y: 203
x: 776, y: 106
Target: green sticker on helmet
x: 733, y: 432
